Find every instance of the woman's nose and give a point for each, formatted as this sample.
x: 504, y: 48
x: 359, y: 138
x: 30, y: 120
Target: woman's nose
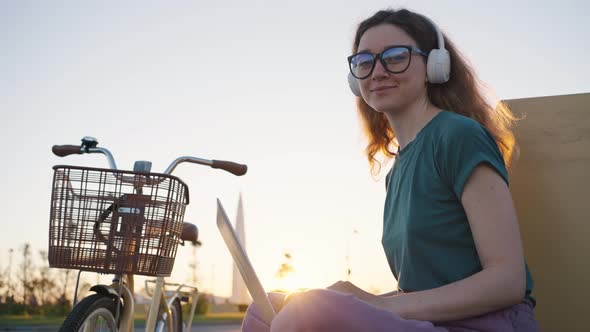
x: 379, y: 71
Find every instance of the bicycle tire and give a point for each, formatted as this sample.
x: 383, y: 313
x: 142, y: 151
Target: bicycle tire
x: 176, y: 310
x: 94, y: 306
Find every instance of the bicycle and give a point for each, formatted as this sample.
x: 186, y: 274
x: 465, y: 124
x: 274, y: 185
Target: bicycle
x: 125, y: 223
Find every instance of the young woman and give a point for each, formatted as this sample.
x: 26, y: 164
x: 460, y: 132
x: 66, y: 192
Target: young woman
x: 450, y: 231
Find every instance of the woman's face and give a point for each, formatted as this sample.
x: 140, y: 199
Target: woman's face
x: 382, y: 90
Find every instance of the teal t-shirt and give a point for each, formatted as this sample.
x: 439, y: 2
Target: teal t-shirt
x: 426, y: 235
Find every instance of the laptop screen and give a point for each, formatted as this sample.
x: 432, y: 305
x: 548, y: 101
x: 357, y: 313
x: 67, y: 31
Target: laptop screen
x: 246, y: 269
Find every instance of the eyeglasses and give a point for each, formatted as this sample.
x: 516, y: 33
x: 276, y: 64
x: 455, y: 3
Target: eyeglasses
x: 395, y: 59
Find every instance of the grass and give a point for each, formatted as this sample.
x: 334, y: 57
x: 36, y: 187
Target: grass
x: 29, y: 320
x: 230, y: 317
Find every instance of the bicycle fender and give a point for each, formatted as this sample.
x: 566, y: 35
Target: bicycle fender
x: 105, y: 290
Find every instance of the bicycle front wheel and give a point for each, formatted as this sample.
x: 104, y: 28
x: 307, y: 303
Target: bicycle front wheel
x: 175, y: 308
x: 94, y: 313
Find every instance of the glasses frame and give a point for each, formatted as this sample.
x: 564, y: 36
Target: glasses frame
x: 375, y: 56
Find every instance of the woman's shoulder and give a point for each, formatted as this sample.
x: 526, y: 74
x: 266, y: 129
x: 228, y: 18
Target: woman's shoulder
x: 452, y: 121
x: 453, y: 126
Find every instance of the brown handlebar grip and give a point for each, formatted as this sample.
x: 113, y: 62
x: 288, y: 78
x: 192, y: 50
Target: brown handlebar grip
x: 234, y: 168
x: 66, y: 150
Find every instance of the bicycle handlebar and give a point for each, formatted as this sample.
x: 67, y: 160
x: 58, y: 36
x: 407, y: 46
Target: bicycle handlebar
x: 89, y: 146
x: 229, y: 166
x: 66, y: 150
x: 234, y: 168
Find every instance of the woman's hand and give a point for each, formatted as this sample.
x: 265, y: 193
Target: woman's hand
x: 289, y: 297
x: 349, y: 288
x: 391, y: 301
x: 345, y: 287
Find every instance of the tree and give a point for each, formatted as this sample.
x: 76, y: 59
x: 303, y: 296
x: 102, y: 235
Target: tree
x: 194, y: 265
x: 8, y: 277
x: 26, y: 267
x: 66, y: 282
x: 44, y: 287
x: 286, y: 268
x: 3, y: 283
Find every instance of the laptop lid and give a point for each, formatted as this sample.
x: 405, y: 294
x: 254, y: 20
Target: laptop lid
x: 244, y: 266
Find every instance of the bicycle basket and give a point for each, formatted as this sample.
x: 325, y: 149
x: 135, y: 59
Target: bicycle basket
x: 115, y: 222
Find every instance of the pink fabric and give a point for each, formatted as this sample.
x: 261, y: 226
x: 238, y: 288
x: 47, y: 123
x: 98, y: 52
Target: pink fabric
x: 326, y: 310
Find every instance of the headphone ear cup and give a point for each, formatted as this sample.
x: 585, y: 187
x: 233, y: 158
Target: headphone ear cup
x: 438, y: 67
x: 353, y: 83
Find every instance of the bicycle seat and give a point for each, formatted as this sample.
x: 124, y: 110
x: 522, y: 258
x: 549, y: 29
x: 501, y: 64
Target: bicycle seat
x: 190, y: 233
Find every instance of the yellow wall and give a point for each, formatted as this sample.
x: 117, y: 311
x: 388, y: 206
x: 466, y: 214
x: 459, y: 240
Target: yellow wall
x: 551, y: 188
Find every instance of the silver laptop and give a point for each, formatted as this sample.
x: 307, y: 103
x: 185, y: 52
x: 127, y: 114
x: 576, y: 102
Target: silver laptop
x: 243, y: 263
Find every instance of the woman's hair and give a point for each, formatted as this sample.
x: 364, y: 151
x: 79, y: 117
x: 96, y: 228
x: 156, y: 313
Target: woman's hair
x: 461, y: 94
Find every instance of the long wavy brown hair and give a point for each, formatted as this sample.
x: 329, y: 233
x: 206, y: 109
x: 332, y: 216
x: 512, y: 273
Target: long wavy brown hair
x: 462, y: 94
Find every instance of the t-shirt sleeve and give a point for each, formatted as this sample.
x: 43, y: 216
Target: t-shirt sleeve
x: 464, y: 146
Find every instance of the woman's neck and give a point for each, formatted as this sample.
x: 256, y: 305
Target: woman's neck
x: 408, y: 122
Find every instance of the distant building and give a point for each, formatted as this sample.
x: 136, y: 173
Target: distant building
x: 240, y: 295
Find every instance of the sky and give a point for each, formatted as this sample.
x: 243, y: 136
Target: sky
x: 256, y: 82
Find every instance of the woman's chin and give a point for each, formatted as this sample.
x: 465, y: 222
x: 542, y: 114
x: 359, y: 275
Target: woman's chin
x: 385, y: 107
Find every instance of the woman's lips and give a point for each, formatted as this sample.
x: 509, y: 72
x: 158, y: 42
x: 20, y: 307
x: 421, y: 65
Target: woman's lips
x: 381, y: 88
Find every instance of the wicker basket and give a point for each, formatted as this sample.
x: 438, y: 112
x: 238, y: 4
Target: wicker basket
x: 115, y: 222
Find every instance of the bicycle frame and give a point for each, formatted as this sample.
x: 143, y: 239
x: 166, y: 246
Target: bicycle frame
x: 165, y: 301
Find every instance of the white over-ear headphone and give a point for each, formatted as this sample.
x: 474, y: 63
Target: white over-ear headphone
x: 438, y: 65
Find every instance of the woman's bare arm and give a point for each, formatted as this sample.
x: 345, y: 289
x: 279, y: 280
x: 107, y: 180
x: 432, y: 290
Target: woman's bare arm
x: 489, y: 207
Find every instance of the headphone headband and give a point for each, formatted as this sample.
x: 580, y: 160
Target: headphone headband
x: 439, y: 35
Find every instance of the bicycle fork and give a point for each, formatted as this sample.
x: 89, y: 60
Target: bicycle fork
x: 126, y: 322
x: 158, y: 300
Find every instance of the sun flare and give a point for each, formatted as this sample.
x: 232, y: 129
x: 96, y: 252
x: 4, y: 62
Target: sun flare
x: 291, y: 283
